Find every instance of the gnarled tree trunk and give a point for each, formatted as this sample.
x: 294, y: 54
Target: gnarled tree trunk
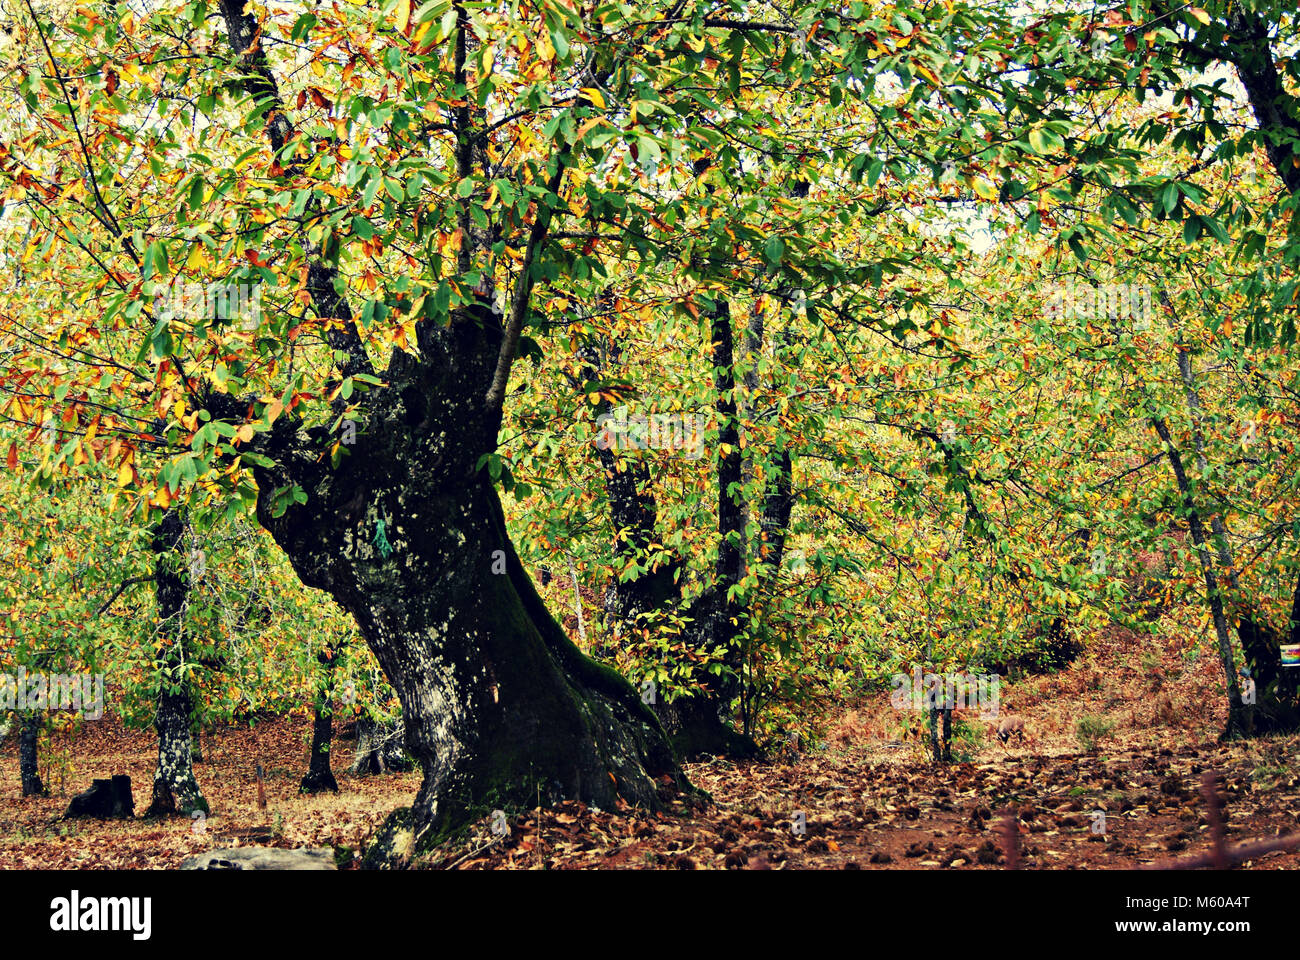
x: 408, y: 535
x: 380, y: 747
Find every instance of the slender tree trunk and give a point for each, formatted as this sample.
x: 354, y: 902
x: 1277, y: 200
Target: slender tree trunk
x: 694, y: 724
x: 934, y: 734
x: 947, y: 734
x: 29, y: 733
x: 319, y: 776
x: 577, y: 603
x: 1273, y: 707
x: 1247, y: 46
x: 175, y: 789
x: 733, y: 509
x: 697, y: 723
x: 1238, y: 718
x: 633, y: 514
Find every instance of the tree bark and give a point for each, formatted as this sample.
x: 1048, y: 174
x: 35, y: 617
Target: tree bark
x: 175, y: 789
x: 29, y: 733
x: 407, y: 534
x: 695, y: 724
x: 577, y: 602
x: 1276, y: 111
x: 633, y: 515
x: 380, y: 747
x: 1239, y: 720
x: 935, y: 750
x: 319, y: 776
x: 501, y: 709
x: 1274, y: 708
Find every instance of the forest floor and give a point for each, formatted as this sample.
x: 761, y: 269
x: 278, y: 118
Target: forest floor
x: 869, y: 799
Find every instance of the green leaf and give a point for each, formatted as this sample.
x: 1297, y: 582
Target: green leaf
x: 1045, y: 140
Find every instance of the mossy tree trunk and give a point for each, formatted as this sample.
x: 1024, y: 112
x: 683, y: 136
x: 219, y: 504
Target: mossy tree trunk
x: 319, y: 776
x: 408, y: 535
x: 1275, y: 703
x: 175, y: 788
x: 29, y: 734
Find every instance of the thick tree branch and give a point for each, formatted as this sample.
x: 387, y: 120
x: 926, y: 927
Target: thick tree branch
x: 523, y: 289
x: 259, y: 83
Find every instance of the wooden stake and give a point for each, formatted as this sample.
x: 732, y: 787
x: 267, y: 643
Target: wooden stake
x: 1011, y: 840
x: 1214, y: 814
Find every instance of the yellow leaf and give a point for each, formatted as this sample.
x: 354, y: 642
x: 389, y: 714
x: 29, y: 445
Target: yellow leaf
x: 1199, y: 14
x: 545, y: 51
x: 245, y: 433
x: 985, y: 189
x: 595, y: 96
x: 125, y: 475
x: 403, y: 15
x: 587, y: 125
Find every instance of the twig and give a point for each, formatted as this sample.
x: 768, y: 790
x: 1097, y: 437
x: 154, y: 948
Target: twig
x: 125, y: 583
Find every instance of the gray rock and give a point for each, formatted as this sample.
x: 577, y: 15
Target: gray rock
x: 262, y: 858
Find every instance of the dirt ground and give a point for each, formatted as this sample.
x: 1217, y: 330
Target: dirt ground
x: 866, y: 798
